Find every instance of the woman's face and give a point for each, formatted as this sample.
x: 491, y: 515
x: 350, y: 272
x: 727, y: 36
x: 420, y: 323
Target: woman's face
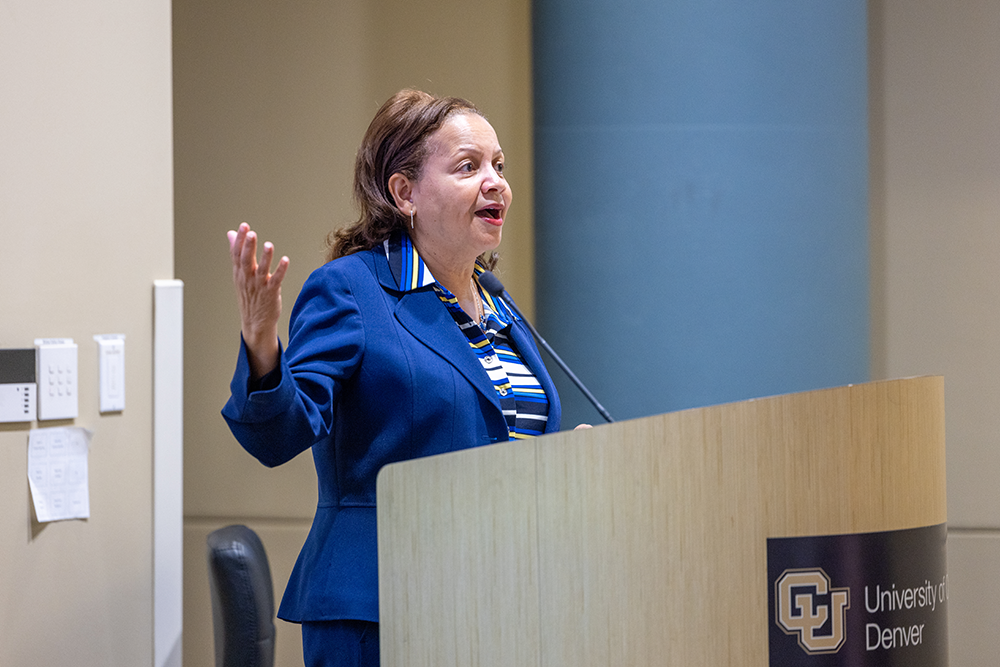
x: 461, y: 197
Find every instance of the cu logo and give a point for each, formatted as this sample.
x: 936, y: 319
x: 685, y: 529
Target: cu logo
x: 799, y: 611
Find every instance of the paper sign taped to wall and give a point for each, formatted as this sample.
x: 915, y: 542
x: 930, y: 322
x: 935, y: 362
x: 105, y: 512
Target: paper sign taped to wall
x: 57, y: 473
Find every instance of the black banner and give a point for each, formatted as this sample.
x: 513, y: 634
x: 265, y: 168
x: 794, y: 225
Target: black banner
x: 864, y: 599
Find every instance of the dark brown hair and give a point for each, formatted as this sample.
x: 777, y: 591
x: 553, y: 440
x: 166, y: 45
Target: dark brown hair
x: 396, y: 142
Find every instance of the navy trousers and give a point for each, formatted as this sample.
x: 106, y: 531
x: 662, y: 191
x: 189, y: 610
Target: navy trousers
x: 344, y: 643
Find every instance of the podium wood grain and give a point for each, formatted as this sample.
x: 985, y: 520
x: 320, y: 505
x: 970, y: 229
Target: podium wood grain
x: 643, y: 542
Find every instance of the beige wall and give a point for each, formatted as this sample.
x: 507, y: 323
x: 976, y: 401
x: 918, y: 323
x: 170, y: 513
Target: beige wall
x: 271, y: 101
x: 86, y: 225
x: 935, y: 131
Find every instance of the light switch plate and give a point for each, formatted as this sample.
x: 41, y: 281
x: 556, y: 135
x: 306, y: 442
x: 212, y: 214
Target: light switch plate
x: 57, y: 378
x: 111, y: 366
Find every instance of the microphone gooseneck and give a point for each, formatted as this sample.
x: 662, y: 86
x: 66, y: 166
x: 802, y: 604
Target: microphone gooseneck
x: 492, y: 284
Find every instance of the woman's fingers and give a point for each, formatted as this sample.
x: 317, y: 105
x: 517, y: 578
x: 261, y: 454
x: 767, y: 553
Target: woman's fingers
x: 263, y: 269
x: 258, y: 290
x: 247, y: 272
x: 236, y: 239
x: 261, y: 272
x: 246, y: 269
x: 279, y: 272
x: 248, y: 254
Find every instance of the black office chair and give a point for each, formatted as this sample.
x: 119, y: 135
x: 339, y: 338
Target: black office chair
x: 242, y: 598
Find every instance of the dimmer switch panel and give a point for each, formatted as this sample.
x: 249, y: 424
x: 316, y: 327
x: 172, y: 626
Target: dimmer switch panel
x: 111, y: 367
x: 57, y: 378
x: 17, y: 385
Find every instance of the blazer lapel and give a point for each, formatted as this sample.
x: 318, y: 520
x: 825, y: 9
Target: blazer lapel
x: 422, y: 314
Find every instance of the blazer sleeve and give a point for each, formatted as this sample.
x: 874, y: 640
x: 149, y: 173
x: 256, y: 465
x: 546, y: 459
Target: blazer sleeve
x: 325, y: 348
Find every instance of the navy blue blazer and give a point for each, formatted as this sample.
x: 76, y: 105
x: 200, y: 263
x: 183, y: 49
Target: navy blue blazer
x: 371, y: 375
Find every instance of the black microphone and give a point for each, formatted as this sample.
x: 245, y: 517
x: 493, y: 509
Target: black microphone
x: 493, y: 285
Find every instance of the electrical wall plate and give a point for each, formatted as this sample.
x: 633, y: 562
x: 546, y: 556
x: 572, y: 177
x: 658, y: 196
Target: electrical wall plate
x: 57, y: 378
x: 111, y: 367
x: 17, y: 385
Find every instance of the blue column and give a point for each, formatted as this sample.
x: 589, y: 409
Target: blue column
x: 701, y: 198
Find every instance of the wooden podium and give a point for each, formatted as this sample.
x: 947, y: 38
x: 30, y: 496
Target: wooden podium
x: 643, y: 542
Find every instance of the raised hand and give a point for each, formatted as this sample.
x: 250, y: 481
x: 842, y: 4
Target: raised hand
x: 258, y: 293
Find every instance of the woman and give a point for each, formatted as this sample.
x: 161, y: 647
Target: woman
x: 394, y: 351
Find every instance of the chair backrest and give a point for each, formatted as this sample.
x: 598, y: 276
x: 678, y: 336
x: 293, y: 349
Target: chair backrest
x: 242, y: 598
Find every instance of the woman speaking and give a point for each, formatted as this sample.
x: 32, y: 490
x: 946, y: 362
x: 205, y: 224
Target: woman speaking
x: 394, y: 351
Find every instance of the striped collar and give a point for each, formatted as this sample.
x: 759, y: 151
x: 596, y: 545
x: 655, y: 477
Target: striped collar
x: 410, y: 273
x: 408, y: 269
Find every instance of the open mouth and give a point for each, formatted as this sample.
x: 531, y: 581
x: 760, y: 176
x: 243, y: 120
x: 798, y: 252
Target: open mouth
x: 491, y: 214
